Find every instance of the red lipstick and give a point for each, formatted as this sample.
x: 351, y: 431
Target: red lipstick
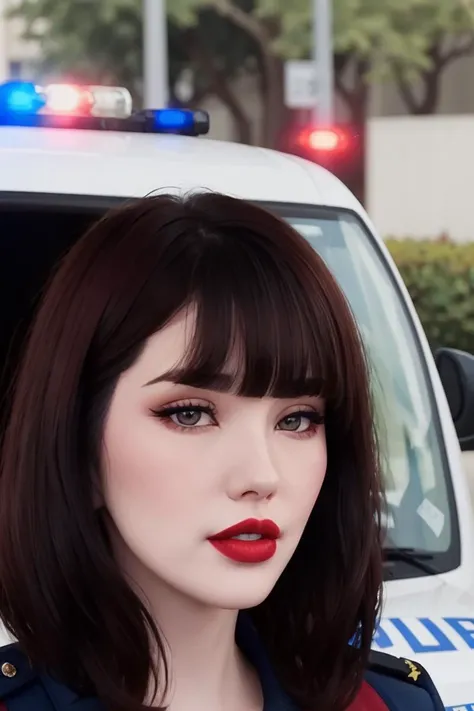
x: 256, y: 545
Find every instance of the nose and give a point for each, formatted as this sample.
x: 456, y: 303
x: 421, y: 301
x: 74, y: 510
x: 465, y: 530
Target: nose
x: 253, y: 472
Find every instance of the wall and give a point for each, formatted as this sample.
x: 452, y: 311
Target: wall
x: 420, y: 175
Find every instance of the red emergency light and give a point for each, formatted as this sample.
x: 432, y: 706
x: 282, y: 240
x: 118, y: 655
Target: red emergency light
x: 327, y: 141
x: 336, y: 147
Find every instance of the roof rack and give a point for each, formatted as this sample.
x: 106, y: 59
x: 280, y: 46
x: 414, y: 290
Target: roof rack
x: 96, y: 108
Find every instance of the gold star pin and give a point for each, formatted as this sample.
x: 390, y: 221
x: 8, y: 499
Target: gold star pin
x: 414, y: 672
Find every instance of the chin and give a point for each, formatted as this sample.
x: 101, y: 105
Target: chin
x: 239, y: 592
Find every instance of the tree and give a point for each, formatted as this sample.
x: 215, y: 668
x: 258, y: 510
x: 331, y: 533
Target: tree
x: 262, y: 25
x: 409, y: 41
x: 448, y: 34
x: 217, y: 53
x: 261, y: 31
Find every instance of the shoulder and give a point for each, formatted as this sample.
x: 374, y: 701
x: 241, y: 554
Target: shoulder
x: 16, y: 674
x: 403, y: 685
x: 20, y: 684
x: 23, y: 687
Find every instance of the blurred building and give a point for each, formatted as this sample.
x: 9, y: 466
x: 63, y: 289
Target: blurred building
x: 17, y: 57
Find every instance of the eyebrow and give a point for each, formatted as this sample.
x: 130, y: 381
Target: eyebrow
x: 220, y: 382
x: 226, y: 382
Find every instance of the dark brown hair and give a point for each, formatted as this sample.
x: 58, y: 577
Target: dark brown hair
x: 255, y: 282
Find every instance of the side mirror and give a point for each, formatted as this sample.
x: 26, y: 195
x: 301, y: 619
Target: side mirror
x: 456, y: 370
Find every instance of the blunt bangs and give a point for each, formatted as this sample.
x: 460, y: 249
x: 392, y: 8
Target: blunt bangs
x: 264, y: 323
x: 256, y: 333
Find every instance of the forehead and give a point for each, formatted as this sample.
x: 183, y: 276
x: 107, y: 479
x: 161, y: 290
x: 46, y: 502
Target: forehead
x: 166, y: 348
x: 166, y: 354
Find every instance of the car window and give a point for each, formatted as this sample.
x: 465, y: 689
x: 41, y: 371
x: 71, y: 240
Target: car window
x: 420, y: 511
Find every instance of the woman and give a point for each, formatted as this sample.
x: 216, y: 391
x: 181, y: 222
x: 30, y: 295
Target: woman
x: 190, y: 492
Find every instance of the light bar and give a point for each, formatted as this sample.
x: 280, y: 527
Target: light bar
x: 65, y: 99
x: 91, y: 107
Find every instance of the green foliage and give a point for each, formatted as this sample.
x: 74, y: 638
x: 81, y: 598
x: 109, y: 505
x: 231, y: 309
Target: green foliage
x: 381, y: 33
x: 184, y: 12
x: 440, y: 278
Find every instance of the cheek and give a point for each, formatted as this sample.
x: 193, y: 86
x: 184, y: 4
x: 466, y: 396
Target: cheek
x: 145, y: 469
x: 316, y: 468
x: 307, y: 473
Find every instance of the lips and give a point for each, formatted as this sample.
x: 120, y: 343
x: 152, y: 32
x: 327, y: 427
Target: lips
x: 256, y: 550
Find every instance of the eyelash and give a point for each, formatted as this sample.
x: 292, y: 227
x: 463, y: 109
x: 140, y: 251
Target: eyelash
x: 316, y: 419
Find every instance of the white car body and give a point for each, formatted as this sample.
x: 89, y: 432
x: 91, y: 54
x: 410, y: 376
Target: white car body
x: 429, y: 619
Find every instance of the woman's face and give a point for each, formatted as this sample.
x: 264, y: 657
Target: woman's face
x: 183, y: 464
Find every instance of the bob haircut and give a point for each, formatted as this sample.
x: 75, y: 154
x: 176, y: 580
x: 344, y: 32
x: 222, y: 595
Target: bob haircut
x: 262, y: 292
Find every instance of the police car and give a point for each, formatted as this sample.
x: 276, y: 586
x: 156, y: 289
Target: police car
x: 68, y: 153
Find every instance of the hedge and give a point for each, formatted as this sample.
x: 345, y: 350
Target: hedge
x: 439, y: 275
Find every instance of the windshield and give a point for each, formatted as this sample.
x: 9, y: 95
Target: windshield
x: 421, y: 516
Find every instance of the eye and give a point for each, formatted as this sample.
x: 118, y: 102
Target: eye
x: 299, y: 422
x: 190, y: 417
x: 186, y: 416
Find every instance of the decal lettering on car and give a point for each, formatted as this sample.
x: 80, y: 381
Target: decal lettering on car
x: 425, y: 635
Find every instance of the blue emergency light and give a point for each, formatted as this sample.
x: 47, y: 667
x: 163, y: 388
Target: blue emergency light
x: 91, y: 107
x: 18, y: 97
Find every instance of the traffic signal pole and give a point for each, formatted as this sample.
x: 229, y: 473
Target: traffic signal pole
x: 155, y: 54
x: 323, y: 57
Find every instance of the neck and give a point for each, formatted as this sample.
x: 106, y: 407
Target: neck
x: 207, y: 669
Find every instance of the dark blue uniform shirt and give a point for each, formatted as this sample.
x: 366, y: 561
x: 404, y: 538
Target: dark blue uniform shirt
x: 403, y: 685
